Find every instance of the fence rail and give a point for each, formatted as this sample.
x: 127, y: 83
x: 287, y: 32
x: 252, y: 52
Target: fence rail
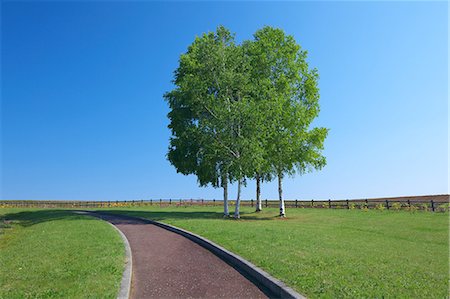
x: 434, y: 203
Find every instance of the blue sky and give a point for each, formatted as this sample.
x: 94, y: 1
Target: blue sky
x: 83, y: 115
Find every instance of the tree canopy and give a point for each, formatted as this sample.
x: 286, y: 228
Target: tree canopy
x: 244, y: 111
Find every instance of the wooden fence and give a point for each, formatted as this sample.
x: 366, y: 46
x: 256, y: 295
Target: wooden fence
x: 434, y: 203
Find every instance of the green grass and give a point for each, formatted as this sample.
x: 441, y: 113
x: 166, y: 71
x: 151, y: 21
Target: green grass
x: 331, y: 253
x: 58, y: 254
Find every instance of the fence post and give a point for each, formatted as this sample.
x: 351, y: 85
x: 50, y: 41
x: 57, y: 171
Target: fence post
x: 329, y: 203
x: 312, y: 203
x: 170, y: 201
x: 367, y: 203
x: 409, y: 203
x: 252, y: 202
x: 266, y: 202
x: 387, y: 204
x: 348, y: 206
x: 296, y: 203
x: 151, y: 202
x: 432, y: 205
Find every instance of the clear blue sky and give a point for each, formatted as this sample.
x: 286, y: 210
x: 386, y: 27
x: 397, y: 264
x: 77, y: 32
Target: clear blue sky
x: 83, y: 115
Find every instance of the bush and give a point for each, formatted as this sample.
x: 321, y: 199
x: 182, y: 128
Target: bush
x: 380, y: 207
x: 412, y: 208
x: 396, y: 206
x: 443, y: 207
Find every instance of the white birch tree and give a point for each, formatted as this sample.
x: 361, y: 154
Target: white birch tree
x: 207, y: 111
x: 289, y: 95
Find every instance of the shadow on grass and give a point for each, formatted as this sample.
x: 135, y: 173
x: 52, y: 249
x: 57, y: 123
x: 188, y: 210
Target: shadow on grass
x: 183, y: 215
x: 32, y: 217
x: 29, y: 218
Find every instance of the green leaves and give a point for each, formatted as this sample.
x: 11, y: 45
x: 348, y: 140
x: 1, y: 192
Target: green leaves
x: 207, y: 107
x: 287, y: 89
x: 242, y: 110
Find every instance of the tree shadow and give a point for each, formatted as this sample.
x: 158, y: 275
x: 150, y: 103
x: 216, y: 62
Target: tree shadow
x: 185, y: 215
x: 32, y: 217
x: 29, y: 218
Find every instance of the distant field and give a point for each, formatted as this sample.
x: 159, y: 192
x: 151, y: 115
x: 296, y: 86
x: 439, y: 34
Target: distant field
x: 330, y: 253
x: 58, y: 254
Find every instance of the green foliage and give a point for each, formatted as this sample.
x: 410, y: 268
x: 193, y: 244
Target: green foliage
x: 286, y: 92
x: 424, y: 206
x: 413, y: 208
x: 380, y: 207
x: 396, y: 206
x: 208, y: 108
x: 244, y: 111
x: 444, y: 207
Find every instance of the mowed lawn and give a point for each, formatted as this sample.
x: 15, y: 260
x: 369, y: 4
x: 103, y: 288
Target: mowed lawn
x: 58, y: 254
x: 331, y: 253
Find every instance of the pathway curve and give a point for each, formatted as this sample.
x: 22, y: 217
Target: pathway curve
x: 168, y: 265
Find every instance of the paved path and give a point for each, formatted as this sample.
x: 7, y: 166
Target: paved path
x: 167, y: 265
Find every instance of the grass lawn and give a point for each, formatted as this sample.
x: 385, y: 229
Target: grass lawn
x: 58, y: 254
x: 331, y: 253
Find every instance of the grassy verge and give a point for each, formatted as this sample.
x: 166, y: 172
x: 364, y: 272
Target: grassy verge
x: 331, y: 253
x: 58, y: 254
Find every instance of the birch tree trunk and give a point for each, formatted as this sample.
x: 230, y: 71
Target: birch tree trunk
x: 226, y: 213
x: 280, y: 195
x: 258, y: 193
x: 238, y: 201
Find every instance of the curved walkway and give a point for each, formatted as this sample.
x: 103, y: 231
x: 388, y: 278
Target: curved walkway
x: 168, y: 265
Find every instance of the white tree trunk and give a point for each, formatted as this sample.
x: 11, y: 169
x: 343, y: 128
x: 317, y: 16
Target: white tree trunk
x: 258, y: 194
x: 280, y: 194
x: 226, y: 213
x: 238, y: 201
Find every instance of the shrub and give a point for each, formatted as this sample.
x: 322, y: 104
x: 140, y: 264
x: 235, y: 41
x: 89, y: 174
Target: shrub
x: 424, y: 206
x: 352, y: 206
x: 380, y: 207
x: 412, y: 208
x: 443, y: 207
x: 396, y: 206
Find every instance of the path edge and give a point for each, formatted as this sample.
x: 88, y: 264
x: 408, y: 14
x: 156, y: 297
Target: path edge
x: 125, y: 283
x: 249, y: 270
